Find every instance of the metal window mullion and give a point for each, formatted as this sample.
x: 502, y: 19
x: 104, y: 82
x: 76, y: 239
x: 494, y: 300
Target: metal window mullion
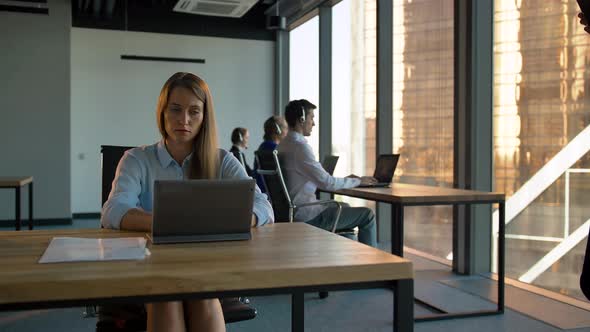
x: 384, y: 121
x: 281, y: 71
x: 325, y: 79
x: 473, y: 149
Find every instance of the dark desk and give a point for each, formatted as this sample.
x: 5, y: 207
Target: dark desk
x: 16, y: 183
x: 400, y: 195
x: 288, y: 258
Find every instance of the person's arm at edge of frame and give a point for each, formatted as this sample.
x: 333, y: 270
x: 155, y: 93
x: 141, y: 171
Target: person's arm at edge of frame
x: 584, y: 22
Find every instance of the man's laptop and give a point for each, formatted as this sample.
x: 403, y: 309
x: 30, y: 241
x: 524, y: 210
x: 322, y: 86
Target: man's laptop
x: 386, y: 164
x: 202, y: 210
x: 329, y: 164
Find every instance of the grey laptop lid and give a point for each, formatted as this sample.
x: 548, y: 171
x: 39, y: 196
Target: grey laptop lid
x: 329, y: 164
x: 202, y: 210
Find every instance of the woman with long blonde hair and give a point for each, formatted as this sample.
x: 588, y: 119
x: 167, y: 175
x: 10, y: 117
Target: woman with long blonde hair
x: 188, y: 150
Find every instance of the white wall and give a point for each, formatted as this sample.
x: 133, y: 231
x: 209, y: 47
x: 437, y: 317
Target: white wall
x: 35, y: 108
x: 113, y: 101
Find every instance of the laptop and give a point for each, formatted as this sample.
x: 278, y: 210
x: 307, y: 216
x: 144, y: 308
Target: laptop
x: 329, y: 164
x: 386, y: 164
x: 202, y: 210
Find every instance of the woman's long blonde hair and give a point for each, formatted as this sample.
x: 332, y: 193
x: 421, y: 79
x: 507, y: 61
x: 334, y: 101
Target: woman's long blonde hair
x: 205, y: 159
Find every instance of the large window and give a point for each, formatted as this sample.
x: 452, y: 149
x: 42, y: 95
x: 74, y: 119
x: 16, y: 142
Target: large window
x: 422, y: 97
x: 423, y: 110
x: 304, y: 77
x: 541, y: 119
x: 354, y: 88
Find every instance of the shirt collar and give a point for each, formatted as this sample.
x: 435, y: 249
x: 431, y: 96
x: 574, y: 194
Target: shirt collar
x: 239, y: 148
x: 296, y: 136
x: 165, y: 157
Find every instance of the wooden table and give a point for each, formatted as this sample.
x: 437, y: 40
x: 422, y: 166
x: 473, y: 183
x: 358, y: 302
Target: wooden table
x: 400, y: 195
x: 16, y: 183
x: 290, y: 258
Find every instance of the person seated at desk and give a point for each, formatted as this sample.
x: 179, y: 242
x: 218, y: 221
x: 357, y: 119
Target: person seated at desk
x: 275, y: 129
x: 305, y: 174
x: 188, y: 150
x: 239, y: 138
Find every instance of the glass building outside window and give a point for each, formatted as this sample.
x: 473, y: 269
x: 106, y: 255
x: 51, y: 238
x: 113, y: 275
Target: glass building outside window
x: 541, y: 118
x: 423, y: 107
x: 354, y: 89
x: 423, y: 104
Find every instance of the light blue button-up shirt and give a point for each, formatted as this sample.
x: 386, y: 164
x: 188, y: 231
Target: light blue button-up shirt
x: 133, y: 186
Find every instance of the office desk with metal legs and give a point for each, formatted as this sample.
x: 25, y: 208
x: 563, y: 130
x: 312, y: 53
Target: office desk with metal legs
x: 280, y: 258
x: 397, y: 248
x: 400, y: 195
x: 16, y: 183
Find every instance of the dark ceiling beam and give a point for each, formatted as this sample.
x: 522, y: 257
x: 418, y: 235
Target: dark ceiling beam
x: 297, y: 12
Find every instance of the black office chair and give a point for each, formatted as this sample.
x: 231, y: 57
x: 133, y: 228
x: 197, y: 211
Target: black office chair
x: 274, y: 181
x: 133, y: 318
x: 269, y: 167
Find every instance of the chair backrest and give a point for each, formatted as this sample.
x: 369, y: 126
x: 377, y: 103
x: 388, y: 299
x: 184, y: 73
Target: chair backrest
x: 240, y: 157
x: 269, y: 167
x: 110, y: 157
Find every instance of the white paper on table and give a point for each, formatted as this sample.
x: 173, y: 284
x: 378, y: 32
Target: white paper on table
x: 73, y: 249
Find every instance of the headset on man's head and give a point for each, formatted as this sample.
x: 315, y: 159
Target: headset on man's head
x: 302, y: 117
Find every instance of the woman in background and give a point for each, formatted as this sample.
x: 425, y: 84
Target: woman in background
x: 240, y: 138
x: 275, y: 129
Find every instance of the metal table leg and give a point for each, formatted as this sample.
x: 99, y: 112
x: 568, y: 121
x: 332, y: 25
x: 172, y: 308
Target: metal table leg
x: 17, y: 207
x: 397, y: 229
x: 31, y: 205
x: 403, y: 305
x: 297, y: 312
x: 501, y: 254
x: 397, y: 245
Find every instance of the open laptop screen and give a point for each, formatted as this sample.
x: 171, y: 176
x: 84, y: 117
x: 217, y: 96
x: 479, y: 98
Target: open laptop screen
x: 386, y: 164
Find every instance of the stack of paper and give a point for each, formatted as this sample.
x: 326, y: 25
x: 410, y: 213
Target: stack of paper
x: 72, y: 249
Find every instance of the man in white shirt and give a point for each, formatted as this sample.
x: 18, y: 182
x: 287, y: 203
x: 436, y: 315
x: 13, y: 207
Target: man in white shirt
x: 304, y: 175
